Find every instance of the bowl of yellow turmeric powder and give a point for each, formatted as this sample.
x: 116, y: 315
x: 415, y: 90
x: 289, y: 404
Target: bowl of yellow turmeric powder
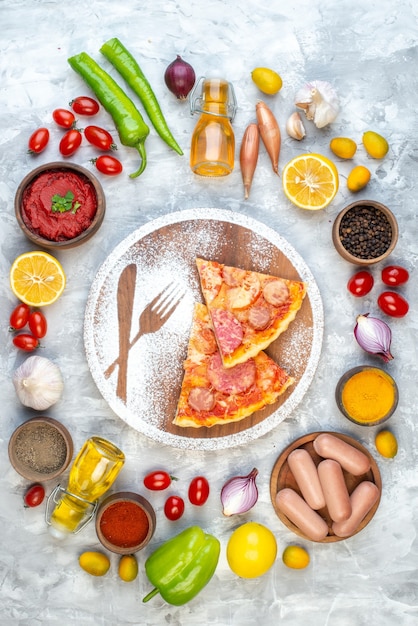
x: 367, y: 395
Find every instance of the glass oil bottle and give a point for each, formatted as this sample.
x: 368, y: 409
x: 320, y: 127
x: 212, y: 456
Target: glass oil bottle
x: 213, y: 142
x: 93, y: 472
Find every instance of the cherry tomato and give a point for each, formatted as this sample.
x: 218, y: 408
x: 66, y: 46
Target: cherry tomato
x: 70, y: 142
x: 37, y: 324
x: 360, y: 283
x: 393, y: 304
x: 34, y: 496
x: 83, y: 105
x: 394, y: 275
x: 174, y: 508
x: 108, y: 165
x: 19, y: 317
x: 26, y: 342
x: 38, y: 141
x: 157, y: 481
x: 99, y: 137
x: 64, y: 118
x: 198, y: 490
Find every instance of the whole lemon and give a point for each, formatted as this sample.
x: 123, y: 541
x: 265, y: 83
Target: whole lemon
x: 128, y: 568
x: 343, y: 147
x: 386, y: 444
x: 358, y: 178
x: 251, y: 550
x: 94, y: 563
x: 268, y: 81
x: 375, y: 145
x: 295, y: 557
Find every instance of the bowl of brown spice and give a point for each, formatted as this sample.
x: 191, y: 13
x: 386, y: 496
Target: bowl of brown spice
x: 125, y: 522
x: 365, y: 232
x: 40, y: 449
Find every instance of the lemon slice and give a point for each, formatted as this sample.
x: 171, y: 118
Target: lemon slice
x: 37, y: 278
x: 310, y: 181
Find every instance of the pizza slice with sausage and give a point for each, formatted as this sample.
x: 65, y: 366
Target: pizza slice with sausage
x: 212, y: 394
x: 248, y: 310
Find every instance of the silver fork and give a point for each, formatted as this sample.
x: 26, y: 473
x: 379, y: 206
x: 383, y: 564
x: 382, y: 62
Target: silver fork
x: 154, y: 316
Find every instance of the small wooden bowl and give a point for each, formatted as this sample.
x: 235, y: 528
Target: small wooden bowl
x: 352, y: 372
x: 87, y: 178
x: 350, y: 212
x: 134, y: 511
x: 40, y: 449
x: 282, y: 477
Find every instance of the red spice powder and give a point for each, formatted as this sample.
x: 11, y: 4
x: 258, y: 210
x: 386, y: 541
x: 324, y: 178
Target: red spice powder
x: 124, y: 524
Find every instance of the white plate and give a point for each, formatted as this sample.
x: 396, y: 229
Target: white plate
x: 164, y: 251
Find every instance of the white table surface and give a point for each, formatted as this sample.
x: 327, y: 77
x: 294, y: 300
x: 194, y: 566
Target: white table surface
x: 368, y: 51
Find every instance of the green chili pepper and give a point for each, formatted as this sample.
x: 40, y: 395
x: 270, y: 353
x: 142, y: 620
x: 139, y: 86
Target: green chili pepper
x: 182, y: 566
x: 126, y: 65
x: 129, y: 123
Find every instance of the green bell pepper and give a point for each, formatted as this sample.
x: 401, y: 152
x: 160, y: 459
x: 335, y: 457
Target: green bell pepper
x: 182, y: 566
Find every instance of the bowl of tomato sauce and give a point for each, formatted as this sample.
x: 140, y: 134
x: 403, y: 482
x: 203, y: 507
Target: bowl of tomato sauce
x: 60, y: 205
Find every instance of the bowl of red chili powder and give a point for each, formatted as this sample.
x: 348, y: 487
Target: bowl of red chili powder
x: 125, y: 522
x: 59, y: 205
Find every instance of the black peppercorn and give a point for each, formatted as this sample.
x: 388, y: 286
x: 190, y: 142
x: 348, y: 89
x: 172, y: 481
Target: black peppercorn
x: 365, y: 232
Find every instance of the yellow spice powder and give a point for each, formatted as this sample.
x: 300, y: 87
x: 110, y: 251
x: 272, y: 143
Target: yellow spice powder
x: 368, y: 395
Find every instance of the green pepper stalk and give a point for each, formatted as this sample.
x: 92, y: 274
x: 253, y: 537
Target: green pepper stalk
x: 128, y: 68
x: 182, y: 566
x: 129, y: 123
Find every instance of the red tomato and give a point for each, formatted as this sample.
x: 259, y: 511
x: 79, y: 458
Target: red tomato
x: 19, y: 317
x: 70, y: 142
x: 83, y: 105
x: 99, y: 137
x: 394, y: 275
x: 393, y: 304
x: 360, y: 283
x: 174, y: 508
x: 198, y: 490
x: 63, y: 118
x: 157, y: 481
x: 34, y: 496
x: 108, y: 165
x: 38, y: 141
x: 26, y: 342
x: 37, y: 324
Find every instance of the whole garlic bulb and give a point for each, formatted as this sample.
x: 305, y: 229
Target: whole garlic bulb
x: 38, y: 383
x: 320, y: 102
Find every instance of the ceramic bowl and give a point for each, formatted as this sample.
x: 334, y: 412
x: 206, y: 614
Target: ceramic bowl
x: 87, y: 182
x: 40, y: 449
x: 125, y: 522
x: 349, y: 218
x: 383, y: 379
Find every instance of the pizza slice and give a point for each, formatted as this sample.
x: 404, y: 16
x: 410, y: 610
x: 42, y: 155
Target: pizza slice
x: 211, y: 394
x: 248, y: 310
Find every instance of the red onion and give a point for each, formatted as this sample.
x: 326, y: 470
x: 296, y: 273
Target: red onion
x: 374, y: 336
x: 180, y: 78
x: 239, y: 494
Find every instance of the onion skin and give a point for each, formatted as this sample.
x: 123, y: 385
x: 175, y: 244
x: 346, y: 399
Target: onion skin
x: 249, y: 156
x: 239, y: 494
x: 180, y: 78
x: 270, y: 133
x: 374, y: 336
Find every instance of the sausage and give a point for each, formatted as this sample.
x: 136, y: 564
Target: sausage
x: 228, y: 329
x: 350, y: 458
x: 335, y: 491
x: 309, y: 522
x: 276, y: 292
x: 235, y: 379
x: 306, y: 475
x: 201, y: 399
x: 259, y: 317
x: 364, y: 496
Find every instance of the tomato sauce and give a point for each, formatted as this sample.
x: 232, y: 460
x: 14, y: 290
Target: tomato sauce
x: 37, y: 209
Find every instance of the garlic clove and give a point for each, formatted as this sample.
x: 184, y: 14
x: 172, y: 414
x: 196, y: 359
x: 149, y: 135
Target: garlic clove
x: 320, y: 102
x: 38, y: 383
x: 295, y: 127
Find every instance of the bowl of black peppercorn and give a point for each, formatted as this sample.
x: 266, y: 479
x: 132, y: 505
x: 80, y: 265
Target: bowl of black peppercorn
x: 365, y: 232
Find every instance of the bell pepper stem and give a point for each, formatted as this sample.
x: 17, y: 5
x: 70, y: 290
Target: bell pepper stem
x: 150, y: 595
